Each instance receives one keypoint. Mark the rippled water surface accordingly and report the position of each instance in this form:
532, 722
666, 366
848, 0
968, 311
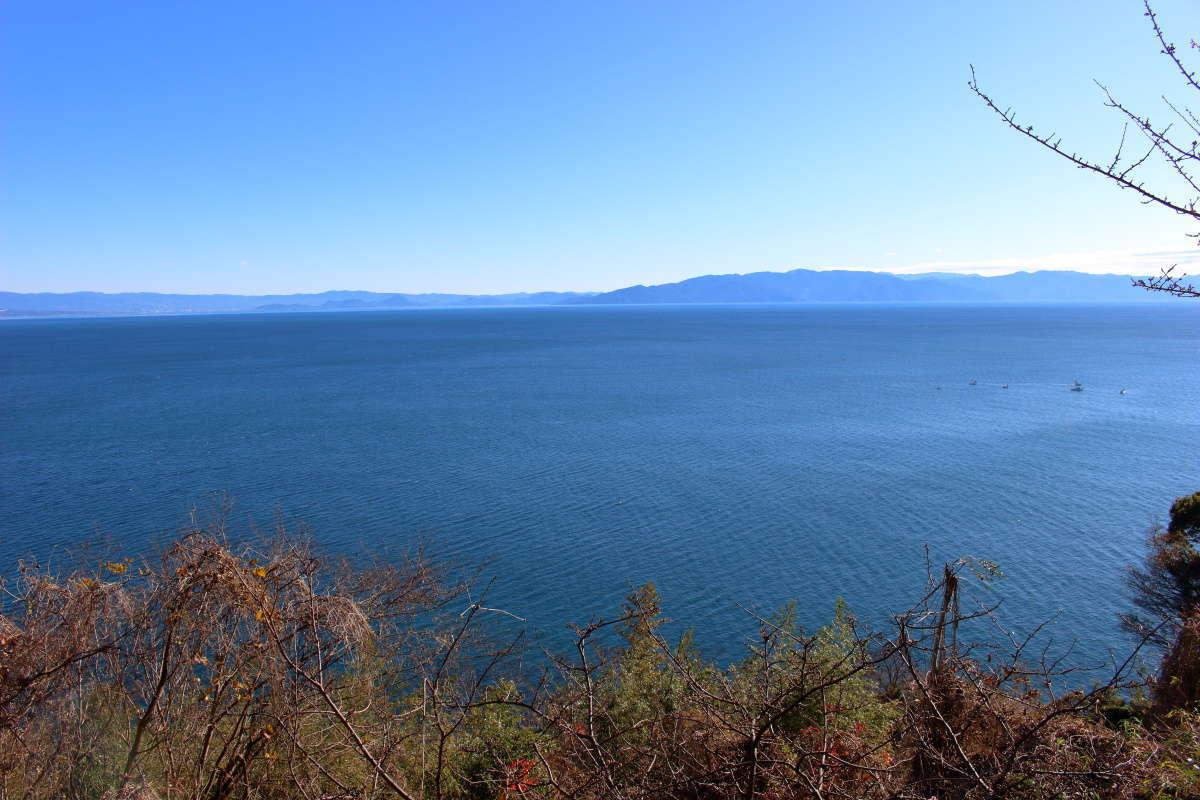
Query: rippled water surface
737, 456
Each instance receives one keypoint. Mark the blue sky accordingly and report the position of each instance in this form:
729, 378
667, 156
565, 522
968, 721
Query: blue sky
481, 147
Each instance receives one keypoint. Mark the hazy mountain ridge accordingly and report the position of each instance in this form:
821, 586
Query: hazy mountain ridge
796, 286
52, 304
847, 286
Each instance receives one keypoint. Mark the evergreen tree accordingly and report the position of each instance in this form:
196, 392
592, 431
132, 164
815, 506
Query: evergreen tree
1166, 588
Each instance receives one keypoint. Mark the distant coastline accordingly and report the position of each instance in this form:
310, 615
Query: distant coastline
796, 286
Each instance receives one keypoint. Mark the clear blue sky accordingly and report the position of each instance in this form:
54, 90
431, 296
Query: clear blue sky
276, 146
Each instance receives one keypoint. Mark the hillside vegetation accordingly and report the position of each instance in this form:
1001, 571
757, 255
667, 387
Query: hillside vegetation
269, 671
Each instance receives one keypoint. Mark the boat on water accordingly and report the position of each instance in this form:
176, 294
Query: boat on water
1078, 387
1122, 391
971, 382
1004, 386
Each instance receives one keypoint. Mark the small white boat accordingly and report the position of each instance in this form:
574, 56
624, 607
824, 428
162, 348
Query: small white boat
1078, 387
1122, 391
971, 382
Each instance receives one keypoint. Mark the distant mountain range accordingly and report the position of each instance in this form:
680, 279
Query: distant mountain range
847, 286
797, 286
81, 303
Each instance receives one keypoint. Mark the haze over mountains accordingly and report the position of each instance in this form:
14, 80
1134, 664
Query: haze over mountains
72, 303
847, 286
796, 286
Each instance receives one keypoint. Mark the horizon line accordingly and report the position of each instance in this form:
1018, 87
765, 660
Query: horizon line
499, 292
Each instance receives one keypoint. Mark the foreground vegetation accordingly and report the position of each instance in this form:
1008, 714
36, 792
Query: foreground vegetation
268, 671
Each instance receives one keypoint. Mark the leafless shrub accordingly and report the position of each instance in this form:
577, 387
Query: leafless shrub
267, 671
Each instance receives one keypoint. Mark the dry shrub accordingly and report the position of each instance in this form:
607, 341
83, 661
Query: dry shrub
969, 738
1167, 759
1178, 686
215, 671
267, 671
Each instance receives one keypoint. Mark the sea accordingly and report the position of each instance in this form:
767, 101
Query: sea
738, 457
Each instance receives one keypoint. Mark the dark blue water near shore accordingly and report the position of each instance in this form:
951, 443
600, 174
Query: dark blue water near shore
735, 456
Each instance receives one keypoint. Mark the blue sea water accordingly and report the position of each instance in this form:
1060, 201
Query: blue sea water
739, 457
